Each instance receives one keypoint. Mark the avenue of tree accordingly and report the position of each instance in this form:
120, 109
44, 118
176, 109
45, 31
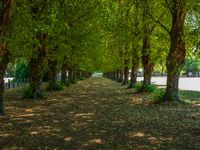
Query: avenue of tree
78, 37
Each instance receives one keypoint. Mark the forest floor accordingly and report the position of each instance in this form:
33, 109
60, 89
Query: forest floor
98, 114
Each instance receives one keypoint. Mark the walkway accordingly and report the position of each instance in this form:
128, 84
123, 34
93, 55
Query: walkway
97, 114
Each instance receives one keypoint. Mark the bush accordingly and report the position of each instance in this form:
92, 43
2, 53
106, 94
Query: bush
139, 87
73, 81
150, 88
65, 83
157, 95
56, 87
28, 93
81, 78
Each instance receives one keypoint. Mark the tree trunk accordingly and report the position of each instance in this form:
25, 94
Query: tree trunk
133, 75
52, 75
36, 65
74, 76
121, 76
146, 50
64, 73
126, 72
136, 39
176, 56
70, 75
5, 19
148, 70
117, 77
3, 65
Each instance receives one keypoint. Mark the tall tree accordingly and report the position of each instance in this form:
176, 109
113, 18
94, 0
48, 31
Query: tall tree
148, 65
135, 44
177, 53
5, 19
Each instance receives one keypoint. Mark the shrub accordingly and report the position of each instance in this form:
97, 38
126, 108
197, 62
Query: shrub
73, 81
28, 93
150, 88
81, 78
56, 87
65, 83
157, 95
139, 87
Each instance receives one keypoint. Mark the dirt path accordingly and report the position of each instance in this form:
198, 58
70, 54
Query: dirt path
98, 114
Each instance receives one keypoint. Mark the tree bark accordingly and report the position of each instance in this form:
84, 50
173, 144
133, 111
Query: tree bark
176, 56
117, 75
3, 65
125, 76
36, 65
133, 75
52, 75
121, 76
64, 73
148, 70
146, 50
5, 19
135, 45
70, 75
74, 77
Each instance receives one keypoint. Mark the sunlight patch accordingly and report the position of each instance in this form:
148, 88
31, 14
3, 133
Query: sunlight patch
33, 133
96, 141
67, 139
136, 134
4, 135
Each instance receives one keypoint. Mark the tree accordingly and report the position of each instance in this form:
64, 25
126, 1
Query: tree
176, 56
5, 19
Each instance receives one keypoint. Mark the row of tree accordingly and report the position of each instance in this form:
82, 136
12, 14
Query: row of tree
78, 37
151, 33
49, 35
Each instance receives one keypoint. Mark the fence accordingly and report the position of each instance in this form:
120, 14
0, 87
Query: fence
16, 83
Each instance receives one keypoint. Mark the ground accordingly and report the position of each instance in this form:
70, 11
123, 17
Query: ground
98, 114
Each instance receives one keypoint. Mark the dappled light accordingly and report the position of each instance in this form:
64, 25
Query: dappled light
95, 141
136, 134
5, 135
97, 113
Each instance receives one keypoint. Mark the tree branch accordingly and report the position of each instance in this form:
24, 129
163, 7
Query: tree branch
152, 28
84, 15
168, 6
158, 22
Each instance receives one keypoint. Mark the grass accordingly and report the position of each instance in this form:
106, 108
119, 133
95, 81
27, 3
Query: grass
97, 113
190, 96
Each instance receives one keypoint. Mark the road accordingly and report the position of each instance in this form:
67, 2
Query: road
185, 83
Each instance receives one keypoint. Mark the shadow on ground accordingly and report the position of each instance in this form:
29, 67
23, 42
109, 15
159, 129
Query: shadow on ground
98, 114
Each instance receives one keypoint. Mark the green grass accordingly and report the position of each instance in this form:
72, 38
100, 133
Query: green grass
190, 96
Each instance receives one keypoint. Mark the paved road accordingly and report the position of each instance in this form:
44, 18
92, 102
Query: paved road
184, 83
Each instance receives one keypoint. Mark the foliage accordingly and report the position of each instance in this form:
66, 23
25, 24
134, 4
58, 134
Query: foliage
28, 93
22, 71
157, 95
56, 87
139, 87
192, 65
10, 71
